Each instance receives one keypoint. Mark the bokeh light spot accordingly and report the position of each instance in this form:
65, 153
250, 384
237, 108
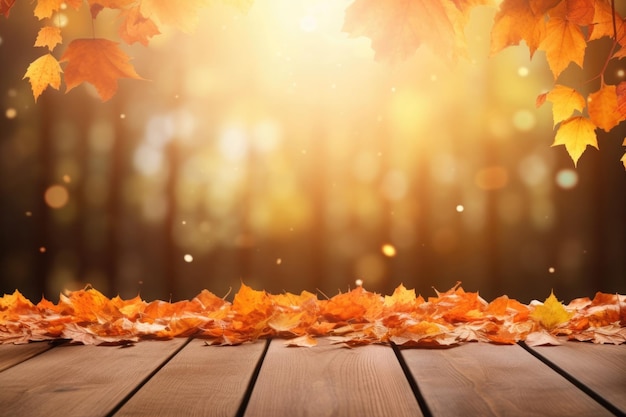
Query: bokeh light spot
388, 250
567, 179
56, 196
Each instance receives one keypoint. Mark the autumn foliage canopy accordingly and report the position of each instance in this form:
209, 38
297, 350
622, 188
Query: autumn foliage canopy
353, 318
564, 30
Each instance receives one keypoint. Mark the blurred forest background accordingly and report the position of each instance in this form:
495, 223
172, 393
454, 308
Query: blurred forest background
271, 149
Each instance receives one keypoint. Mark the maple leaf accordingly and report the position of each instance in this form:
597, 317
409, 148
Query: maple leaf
357, 304
541, 338
303, 341
398, 27
15, 303
603, 110
99, 62
182, 15
580, 12
49, 36
96, 6
43, 72
46, 8
401, 299
551, 313
5, 7
576, 133
602, 25
565, 101
136, 28
518, 20
564, 43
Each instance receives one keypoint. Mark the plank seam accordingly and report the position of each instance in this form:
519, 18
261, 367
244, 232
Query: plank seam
421, 401
51, 344
584, 388
255, 374
146, 379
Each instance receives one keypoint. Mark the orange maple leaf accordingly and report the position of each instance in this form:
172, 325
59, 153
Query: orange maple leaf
358, 305
398, 27
565, 101
43, 72
136, 28
5, 7
180, 14
49, 36
603, 108
576, 133
518, 20
99, 62
45, 8
602, 24
580, 12
564, 43
96, 6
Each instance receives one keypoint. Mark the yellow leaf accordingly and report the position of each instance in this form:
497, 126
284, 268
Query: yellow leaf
179, 14
551, 313
43, 72
565, 101
97, 61
398, 27
563, 43
576, 133
603, 110
400, 296
49, 36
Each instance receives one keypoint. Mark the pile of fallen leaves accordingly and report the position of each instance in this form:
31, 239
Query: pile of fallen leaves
354, 318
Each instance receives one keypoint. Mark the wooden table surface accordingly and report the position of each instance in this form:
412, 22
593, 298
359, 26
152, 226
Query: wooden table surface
185, 377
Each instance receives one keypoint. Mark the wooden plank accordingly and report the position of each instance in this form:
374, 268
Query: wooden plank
11, 355
200, 381
601, 368
78, 380
490, 380
331, 380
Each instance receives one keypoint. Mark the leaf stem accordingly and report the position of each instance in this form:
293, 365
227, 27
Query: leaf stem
614, 23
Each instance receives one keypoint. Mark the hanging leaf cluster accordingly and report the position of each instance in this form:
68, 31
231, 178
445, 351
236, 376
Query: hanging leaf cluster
101, 62
566, 30
357, 317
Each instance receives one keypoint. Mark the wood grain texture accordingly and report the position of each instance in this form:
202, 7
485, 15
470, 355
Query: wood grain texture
78, 380
602, 368
200, 381
330, 380
11, 355
481, 379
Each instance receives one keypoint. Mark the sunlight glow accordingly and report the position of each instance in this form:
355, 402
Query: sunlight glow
308, 23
